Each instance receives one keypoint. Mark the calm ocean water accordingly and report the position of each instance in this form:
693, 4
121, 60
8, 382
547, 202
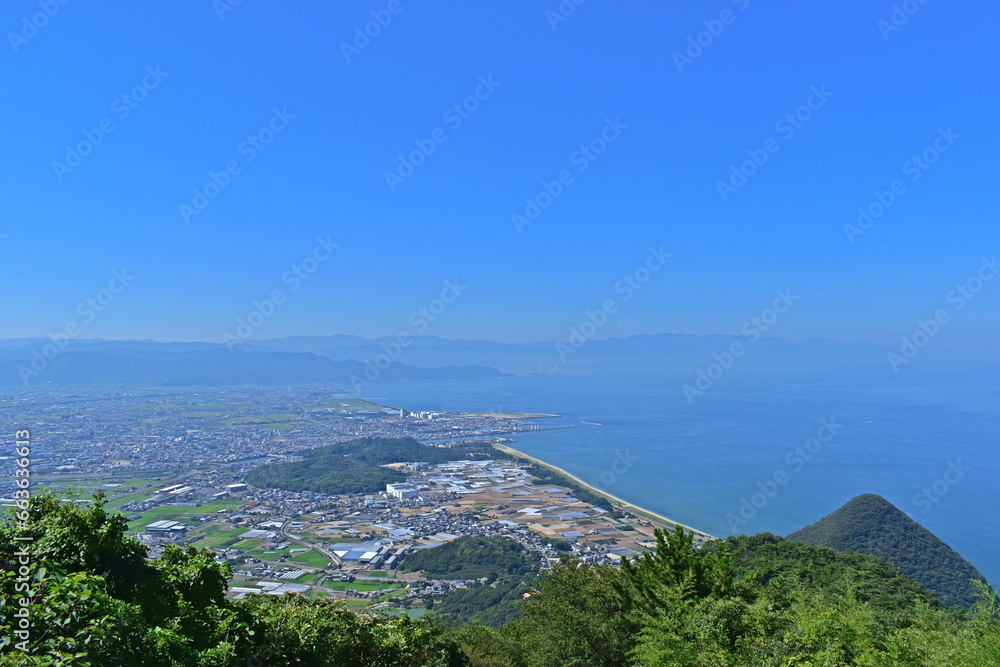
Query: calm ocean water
712, 463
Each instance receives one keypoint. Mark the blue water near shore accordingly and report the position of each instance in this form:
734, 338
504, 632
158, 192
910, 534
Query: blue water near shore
701, 463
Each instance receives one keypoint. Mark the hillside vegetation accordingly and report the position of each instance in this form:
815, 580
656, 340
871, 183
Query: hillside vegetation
471, 558
492, 604
354, 466
510, 572
758, 600
96, 600
870, 524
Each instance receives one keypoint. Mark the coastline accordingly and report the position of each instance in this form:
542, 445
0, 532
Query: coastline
512, 415
635, 509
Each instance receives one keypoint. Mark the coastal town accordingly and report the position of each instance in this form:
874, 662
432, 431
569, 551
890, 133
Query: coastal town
177, 469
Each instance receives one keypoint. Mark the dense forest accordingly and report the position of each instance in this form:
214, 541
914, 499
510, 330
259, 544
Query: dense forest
491, 604
471, 558
354, 466
95, 599
330, 474
870, 524
507, 568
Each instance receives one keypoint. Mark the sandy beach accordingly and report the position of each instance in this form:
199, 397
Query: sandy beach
625, 504
511, 415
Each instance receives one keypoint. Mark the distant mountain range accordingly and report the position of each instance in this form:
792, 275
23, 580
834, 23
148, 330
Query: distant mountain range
870, 524
337, 358
211, 367
642, 352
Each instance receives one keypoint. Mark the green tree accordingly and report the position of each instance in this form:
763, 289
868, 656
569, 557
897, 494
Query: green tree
576, 618
79, 540
173, 610
293, 630
73, 620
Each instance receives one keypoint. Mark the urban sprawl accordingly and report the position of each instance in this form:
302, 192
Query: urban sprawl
174, 462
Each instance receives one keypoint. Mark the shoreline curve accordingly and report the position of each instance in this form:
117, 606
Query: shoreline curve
635, 509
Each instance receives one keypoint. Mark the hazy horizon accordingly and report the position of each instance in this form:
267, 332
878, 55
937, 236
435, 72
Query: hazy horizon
664, 169
443, 338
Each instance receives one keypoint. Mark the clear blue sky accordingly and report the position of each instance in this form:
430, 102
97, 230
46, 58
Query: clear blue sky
656, 184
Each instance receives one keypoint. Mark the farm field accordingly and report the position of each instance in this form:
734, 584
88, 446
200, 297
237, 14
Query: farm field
311, 558
183, 514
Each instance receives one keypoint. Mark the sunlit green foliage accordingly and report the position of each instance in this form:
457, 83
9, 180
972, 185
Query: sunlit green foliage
745, 601
94, 599
870, 524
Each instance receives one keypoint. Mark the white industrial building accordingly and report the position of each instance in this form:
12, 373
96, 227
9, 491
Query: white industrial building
402, 490
166, 528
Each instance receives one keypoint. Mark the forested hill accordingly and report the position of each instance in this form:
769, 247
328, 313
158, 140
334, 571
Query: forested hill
472, 557
870, 524
354, 466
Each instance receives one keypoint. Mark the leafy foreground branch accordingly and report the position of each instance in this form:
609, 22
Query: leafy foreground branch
94, 598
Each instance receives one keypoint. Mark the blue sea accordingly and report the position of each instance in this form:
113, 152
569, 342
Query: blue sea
764, 453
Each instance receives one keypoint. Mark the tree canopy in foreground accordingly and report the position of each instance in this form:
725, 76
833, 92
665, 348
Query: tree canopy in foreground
95, 599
